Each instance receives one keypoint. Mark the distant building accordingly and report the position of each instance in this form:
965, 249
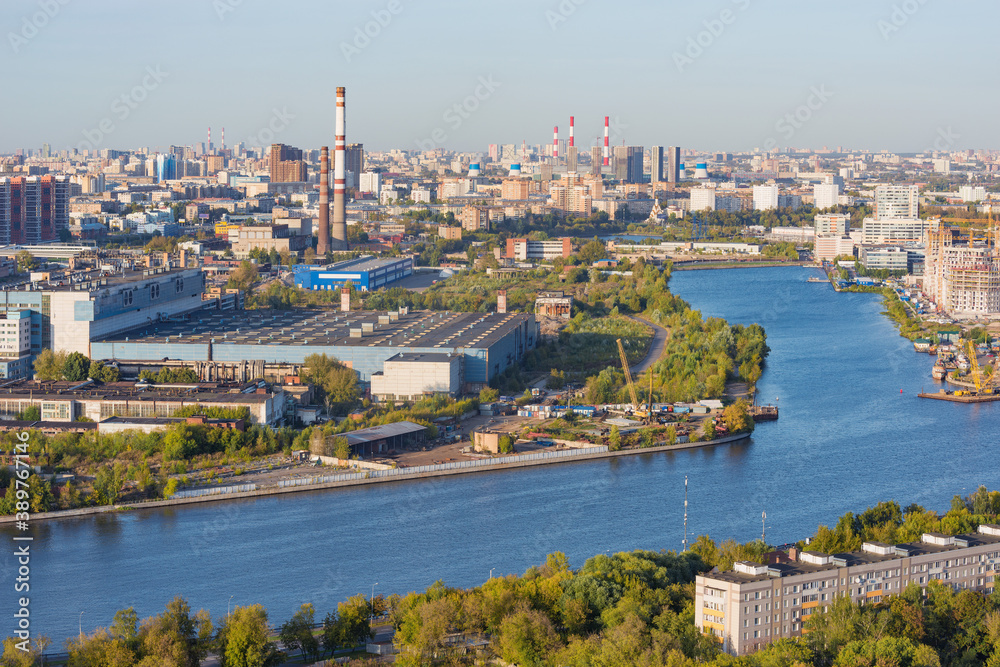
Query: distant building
673, 164
830, 246
702, 199
365, 273
765, 197
286, 164
411, 377
371, 181
972, 193
832, 223
450, 233
15, 344
826, 195
897, 202
890, 258
268, 237
476, 218
354, 164
33, 209
656, 164
523, 250
878, 231
554, 304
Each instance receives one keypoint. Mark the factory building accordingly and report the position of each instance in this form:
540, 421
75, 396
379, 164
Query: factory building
487, 343
523, 250
410, 377
15, 344
755, 604
67, 314
68, 401
365, 273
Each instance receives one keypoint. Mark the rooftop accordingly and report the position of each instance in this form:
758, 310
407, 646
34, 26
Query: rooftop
368, 263
56, 391
376, 433
330, 328
95, 280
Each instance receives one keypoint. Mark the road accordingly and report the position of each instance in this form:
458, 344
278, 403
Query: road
660, 336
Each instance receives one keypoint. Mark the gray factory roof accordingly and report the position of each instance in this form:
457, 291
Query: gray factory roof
422, 358
330, 328
376, 433
95, 280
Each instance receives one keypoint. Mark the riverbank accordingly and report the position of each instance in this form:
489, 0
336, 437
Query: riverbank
702, 266
399, 475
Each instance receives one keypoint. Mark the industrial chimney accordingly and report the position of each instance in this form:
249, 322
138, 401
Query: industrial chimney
555, 142
607, 146
501, 301
340, 178
323, 246
345, 300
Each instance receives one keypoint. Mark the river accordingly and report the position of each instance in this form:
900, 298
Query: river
847, 438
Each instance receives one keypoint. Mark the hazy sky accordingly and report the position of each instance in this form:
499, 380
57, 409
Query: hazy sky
125, 73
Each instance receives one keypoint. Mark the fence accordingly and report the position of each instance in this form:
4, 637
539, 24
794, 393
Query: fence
217, 491
439, 467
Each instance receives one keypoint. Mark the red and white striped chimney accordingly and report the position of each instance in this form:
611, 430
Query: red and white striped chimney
555, 142
339, 227
223, 138
607, 146
571, 124
209, 145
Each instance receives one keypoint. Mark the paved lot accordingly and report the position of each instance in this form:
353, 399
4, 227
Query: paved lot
418, 282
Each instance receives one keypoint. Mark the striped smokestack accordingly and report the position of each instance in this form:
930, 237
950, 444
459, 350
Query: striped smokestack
571, 123
340, 179
607, 146
555, 142
323, 246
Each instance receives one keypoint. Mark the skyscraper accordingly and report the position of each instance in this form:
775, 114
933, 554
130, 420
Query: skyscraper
656, 164
673, 164
619, 162
166, 167
287, 165
596, 160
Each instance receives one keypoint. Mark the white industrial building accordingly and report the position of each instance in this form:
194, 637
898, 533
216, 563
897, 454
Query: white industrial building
410, 377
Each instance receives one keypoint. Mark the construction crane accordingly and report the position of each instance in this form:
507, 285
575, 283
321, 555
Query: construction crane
637, 411
982, 383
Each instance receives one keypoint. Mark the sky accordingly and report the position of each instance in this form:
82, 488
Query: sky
721, 75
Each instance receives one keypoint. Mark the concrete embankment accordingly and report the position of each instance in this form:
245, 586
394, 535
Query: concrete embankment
402, 476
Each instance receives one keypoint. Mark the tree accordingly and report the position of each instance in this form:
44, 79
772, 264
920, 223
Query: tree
243, 277
342, 448
108, 483
98, 371
593, 251
737, 417
243, 639
353, 617
309, 256
76, 367
26, 261
296, 633
488, 395
614, 439
527, 638
49, 365
175, 637
337, 383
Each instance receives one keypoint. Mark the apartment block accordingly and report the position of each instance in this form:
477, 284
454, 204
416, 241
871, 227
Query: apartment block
524, 250
876, 231
832, 223
33, 209
755, 604
897, 202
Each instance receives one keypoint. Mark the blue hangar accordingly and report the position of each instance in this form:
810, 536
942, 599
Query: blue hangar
365, 273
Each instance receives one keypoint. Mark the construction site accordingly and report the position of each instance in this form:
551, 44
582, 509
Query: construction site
962, 271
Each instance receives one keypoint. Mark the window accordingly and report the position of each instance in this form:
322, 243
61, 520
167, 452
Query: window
154, 291
127, 297
179, 285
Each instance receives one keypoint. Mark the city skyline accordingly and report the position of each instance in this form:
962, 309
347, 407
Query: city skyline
735, 75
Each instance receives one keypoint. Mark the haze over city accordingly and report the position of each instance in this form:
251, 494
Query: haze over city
713, 76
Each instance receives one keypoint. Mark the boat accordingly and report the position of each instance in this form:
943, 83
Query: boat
814, 279
939, 372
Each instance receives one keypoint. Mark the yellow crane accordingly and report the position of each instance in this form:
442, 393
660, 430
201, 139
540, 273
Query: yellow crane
644, 414
982, 382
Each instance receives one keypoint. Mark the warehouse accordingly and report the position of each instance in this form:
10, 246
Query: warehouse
488, 343
365, 273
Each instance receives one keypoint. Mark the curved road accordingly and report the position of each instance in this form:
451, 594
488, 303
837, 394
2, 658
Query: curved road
655, 349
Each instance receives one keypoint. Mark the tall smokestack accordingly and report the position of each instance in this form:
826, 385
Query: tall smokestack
571, 124
555, 142
323, 246
607, 146
223, 138
339, 178
209, 146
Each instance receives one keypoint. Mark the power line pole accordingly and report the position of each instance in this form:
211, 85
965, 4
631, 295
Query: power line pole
685, 513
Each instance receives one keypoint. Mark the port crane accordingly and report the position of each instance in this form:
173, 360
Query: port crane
646, 414
984, 382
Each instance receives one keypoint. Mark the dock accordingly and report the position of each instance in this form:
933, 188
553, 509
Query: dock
764, 413
943, 396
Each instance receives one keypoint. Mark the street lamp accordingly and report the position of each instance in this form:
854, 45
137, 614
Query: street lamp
81, 624
491, 572
228, 605
373, 601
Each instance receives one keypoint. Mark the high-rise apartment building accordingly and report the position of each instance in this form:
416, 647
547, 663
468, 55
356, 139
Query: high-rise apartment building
972, 193
826, 195
33, 209
656, 164
673, 164
627, 164
596, 160
702, 199
765, 197
897, 202
286, 164
355, 164
166, 168
832, 223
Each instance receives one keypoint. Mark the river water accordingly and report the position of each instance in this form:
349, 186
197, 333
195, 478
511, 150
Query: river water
847, 438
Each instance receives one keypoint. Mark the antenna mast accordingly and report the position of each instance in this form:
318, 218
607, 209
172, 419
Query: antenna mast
763, 527
685, 513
